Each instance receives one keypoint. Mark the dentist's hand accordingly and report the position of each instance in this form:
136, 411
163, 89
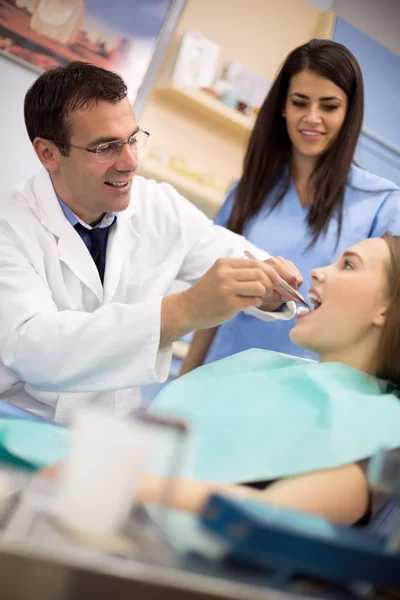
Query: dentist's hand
228, 287
289, 273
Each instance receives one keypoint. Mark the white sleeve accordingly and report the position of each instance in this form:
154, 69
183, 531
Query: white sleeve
287, 311
205, 243
112, 348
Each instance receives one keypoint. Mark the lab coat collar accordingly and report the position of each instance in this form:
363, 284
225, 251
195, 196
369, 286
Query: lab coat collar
72, 250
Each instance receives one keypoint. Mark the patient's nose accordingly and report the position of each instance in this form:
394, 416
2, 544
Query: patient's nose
318, 275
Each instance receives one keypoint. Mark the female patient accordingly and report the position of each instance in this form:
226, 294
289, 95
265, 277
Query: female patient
356, 322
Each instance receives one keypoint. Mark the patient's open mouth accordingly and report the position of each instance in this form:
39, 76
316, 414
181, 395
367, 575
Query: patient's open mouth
315, 300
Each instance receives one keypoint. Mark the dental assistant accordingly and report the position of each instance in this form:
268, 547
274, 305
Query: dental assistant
300, 193
88, 254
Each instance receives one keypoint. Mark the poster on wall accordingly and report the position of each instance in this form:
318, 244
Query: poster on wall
120, 35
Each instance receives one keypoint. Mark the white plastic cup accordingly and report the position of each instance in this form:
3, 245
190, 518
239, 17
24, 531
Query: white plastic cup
98, 482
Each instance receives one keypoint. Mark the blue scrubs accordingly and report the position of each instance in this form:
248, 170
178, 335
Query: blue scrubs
371, 207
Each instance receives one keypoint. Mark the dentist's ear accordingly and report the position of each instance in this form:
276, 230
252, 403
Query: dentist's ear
47, 152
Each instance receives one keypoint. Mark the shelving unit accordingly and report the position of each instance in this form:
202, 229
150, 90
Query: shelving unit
205, 198
206, 105
213, 111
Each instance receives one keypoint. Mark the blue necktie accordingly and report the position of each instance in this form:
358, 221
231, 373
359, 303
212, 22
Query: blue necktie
98, 243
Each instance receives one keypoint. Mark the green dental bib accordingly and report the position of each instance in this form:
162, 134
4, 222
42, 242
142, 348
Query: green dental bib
259, 415
31, 444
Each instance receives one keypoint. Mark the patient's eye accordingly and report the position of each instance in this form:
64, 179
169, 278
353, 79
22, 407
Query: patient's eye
347, 264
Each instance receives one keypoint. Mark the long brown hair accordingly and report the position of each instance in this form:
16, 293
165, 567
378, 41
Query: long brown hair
267, 161
388, 355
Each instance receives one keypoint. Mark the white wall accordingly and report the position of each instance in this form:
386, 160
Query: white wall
380, 19
18, 160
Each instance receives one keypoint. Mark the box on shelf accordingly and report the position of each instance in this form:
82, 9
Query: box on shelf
196, 61
250, 89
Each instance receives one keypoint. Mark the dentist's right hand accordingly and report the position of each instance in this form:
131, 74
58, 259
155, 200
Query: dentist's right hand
228, 287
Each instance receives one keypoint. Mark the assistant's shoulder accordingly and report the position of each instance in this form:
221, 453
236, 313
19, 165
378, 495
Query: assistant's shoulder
365, 181
376, 200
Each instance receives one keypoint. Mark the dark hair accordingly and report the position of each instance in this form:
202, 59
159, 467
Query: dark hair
388, 355
60, 91
267, 161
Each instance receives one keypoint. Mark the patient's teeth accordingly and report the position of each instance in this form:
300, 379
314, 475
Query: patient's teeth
314, 299
313, 296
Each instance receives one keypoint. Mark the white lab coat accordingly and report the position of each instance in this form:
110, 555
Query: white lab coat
65, 340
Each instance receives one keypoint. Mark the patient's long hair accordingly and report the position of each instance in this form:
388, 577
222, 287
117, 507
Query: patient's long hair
389, 348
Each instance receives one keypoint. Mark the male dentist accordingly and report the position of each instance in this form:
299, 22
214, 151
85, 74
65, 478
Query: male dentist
88, 253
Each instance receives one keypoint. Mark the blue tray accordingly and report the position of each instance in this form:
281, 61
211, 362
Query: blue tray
294, 543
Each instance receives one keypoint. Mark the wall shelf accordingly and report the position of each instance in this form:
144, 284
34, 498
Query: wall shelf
205, 105
205, 198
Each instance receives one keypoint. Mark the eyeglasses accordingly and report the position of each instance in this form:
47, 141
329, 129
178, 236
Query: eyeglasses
111, 150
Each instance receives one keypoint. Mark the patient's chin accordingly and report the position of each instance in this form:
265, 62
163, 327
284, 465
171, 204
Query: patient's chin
296, 337
300, 337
